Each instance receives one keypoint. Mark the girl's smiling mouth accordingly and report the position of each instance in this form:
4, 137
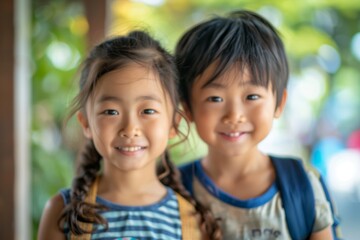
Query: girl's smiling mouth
130, 150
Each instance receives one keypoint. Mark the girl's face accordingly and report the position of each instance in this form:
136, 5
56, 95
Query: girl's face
129, 118
231, 114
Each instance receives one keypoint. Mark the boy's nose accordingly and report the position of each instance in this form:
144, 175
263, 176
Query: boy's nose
234, 119
234, 116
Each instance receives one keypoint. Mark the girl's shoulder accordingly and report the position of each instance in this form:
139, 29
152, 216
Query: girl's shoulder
65, 195
53, 207
48, 228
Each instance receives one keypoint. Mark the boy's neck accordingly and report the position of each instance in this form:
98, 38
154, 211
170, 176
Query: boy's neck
218, 165
253, 174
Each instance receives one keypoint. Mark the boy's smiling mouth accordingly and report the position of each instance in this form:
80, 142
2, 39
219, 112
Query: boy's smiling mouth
233, 136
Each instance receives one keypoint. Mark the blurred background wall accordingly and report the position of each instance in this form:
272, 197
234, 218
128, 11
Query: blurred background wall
321, 122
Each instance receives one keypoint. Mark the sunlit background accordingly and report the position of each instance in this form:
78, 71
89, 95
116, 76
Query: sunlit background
321, 122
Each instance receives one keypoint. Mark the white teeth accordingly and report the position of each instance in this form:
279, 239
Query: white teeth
236, 134
130, 149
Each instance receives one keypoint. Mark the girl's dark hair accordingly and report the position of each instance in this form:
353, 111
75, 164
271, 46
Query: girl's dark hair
115, 53
243, 39
209, 225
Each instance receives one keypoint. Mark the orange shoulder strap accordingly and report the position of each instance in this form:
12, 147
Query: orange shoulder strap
90, 198
190, 227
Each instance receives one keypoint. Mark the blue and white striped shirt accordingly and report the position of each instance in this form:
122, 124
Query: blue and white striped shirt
157, 221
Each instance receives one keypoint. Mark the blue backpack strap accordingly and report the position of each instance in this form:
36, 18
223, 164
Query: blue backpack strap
297, 196
187, 176
336, 225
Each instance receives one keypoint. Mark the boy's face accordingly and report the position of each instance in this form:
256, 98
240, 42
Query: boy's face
231, 114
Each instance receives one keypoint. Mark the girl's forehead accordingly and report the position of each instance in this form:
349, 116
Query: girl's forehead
127, 76
131, 82
128, 85
130, 73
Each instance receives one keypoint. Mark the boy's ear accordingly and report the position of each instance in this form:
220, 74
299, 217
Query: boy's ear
187, 111
282, 104
84, 124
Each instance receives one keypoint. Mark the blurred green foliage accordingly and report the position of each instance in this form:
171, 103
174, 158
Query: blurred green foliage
318, 35
56, 50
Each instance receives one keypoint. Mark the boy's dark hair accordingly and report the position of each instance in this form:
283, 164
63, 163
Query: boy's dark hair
244, 39
116, 53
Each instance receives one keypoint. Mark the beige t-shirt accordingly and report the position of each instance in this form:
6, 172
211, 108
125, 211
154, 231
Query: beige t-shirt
262, 217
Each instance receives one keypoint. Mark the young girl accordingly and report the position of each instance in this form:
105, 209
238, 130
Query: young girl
128, 109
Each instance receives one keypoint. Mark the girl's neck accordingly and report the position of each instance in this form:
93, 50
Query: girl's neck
135, 188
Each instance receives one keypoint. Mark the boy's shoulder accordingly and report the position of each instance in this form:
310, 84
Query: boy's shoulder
288, 171
281, 164
284, 164
188, 171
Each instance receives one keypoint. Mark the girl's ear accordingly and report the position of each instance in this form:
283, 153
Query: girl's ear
173, 131
281, 106
84, 124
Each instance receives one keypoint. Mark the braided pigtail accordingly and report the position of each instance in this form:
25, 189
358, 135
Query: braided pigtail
170, 176
78, 210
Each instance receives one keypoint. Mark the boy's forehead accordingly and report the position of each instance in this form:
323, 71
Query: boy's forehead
235, 73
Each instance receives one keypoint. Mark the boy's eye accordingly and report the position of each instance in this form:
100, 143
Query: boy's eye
252, 97
111, 112
149, 111
215, 99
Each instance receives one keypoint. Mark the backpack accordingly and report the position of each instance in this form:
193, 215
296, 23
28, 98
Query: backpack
190, 228
296, 194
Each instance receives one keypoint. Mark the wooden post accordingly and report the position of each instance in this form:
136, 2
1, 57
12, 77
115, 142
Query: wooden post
22, 117
7, 139
95, 11
14, 120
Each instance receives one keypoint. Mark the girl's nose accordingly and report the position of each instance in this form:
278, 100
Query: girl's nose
129, 129
129, 133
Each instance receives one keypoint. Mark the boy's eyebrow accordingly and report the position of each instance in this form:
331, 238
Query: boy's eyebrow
109, 98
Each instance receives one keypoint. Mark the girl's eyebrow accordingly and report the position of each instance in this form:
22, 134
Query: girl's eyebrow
150, 97
109, 98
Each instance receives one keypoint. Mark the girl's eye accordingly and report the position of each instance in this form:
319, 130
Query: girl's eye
252, 97
111, 112
215, 99
149, 111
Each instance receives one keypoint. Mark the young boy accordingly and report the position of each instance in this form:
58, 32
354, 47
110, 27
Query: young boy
233, 78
